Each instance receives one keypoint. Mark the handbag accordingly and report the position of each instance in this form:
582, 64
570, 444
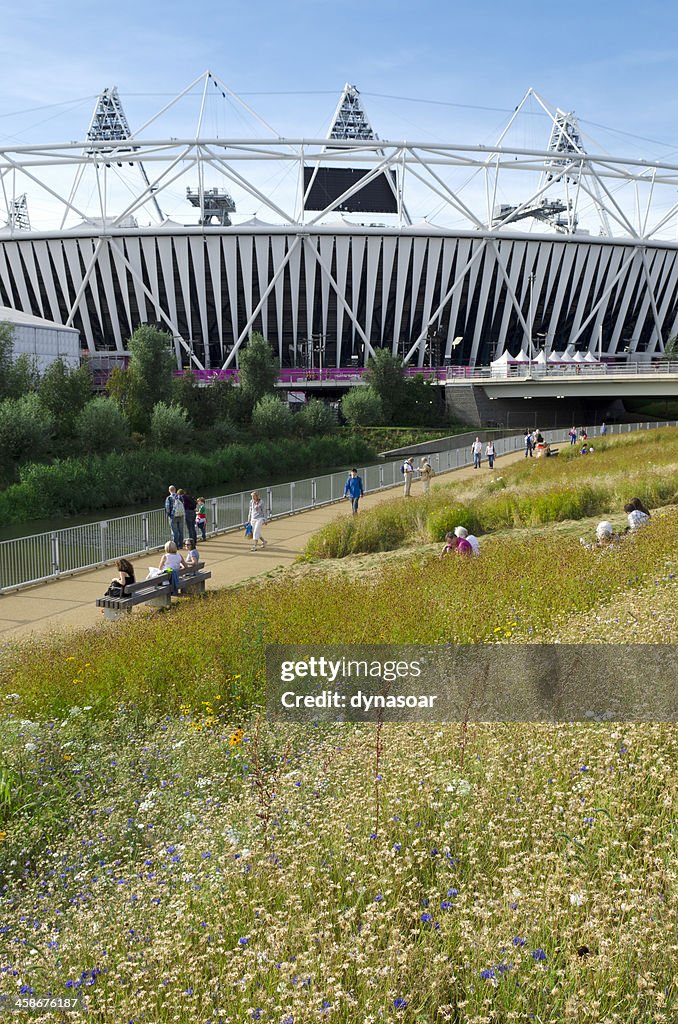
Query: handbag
248, 529
114, 590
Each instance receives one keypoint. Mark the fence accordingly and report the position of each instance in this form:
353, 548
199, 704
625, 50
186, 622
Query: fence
46, 556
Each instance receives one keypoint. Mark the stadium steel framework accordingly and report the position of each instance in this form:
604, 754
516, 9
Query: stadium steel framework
479, 277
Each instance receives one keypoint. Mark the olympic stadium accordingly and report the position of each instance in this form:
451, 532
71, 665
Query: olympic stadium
445, 253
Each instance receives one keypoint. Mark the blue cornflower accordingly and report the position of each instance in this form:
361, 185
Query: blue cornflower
399, 1003
518, 940
378, 898
176, 858
446, 905
397, 847
256, 1014
584, 768
487, 974
426, 918
538, 954
452, 892
326, 1004
243, 940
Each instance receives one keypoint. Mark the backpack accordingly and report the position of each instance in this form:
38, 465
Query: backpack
402, 469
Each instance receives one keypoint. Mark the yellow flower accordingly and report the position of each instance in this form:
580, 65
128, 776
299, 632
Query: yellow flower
236, 738
68, 757
3, 835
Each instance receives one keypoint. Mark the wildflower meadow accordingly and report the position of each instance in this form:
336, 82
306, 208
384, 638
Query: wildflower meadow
168, 855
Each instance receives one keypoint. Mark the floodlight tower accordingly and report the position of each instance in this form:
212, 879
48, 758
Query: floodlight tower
566, 142
18, 219
109, 124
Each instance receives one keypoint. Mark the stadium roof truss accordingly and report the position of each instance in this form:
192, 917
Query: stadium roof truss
424, 172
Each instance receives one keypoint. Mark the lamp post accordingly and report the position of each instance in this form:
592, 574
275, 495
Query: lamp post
530, 315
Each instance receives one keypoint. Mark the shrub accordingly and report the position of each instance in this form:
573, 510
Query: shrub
272, 418
316, 419
26, 428
444, 520
169, 426
362, 407
101, 426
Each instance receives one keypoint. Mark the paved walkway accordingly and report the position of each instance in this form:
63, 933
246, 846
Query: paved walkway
69, 603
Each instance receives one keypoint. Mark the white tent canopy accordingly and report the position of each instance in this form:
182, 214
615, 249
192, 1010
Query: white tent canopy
578, 358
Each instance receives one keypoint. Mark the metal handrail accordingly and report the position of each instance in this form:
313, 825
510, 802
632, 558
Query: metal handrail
26, 561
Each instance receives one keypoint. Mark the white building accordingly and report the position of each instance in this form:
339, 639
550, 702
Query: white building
41, 339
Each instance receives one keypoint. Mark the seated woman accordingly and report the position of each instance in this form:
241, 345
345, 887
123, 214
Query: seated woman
118, 585
192, 556
636, 516
171, 562
451, 543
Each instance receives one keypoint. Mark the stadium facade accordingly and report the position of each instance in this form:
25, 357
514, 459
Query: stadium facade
344, 268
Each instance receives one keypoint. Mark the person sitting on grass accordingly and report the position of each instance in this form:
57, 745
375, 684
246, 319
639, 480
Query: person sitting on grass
637, 517
450, 545
462, 533
192, 555
605, 537
172, 562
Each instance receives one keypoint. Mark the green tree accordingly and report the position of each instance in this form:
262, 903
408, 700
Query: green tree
6, 347
272, 418
65, 392
362, 407
101, 426
26, 429
170, 427
316, 419
17, 376
150, 374
671, 348
385, 376
259, 370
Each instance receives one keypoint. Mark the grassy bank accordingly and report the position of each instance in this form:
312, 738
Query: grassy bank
169, 856
529, 493
160, 661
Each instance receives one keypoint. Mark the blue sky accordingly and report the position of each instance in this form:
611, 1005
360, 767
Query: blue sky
614, 64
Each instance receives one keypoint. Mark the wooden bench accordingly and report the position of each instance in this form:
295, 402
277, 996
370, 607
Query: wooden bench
156, 592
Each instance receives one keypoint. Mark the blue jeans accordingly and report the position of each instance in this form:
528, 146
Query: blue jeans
476, 460
174, 580
177, 528
354, 504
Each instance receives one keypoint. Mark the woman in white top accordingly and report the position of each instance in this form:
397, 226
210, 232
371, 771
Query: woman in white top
171, 562
256, 517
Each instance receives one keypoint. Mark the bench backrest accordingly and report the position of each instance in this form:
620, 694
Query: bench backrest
162, 580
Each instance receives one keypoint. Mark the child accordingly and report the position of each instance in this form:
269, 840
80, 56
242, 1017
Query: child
201, 518
451, 543
192, 557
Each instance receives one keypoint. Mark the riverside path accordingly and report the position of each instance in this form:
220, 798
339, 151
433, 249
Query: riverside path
68, 603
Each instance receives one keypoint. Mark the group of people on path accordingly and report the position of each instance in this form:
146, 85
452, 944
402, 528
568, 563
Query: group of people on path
186, 515
426, 472
477, 453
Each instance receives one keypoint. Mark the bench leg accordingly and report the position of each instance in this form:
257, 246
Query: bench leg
161, 601
113, 614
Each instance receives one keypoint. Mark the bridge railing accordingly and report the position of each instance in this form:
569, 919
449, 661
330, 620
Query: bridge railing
525, 370
47, 556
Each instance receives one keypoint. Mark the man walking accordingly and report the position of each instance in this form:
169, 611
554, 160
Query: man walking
174, 510
190, 508
354, 490
477, 452
528, 444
